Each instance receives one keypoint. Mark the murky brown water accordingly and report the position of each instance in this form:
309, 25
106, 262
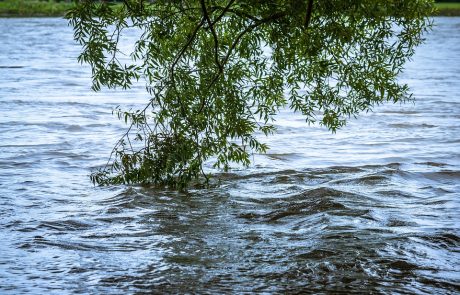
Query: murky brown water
371, 209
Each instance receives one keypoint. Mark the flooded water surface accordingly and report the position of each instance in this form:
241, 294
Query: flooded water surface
374, 208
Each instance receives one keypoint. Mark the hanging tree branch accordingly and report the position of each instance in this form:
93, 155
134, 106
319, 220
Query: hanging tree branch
216, 41
226, 8
308, 15
198, 116
248, 29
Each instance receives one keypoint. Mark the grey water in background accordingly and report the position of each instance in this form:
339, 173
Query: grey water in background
374, 208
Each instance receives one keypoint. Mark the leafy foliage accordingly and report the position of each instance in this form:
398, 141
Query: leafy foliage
219, 71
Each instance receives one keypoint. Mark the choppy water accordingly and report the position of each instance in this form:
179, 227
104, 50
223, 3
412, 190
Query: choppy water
372, 209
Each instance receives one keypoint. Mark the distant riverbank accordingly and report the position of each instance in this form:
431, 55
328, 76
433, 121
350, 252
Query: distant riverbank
22, 8
448, 9
34, 8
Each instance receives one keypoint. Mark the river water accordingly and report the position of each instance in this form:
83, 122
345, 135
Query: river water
374, 208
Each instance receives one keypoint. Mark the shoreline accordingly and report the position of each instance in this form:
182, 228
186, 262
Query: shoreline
447, 9
20, 8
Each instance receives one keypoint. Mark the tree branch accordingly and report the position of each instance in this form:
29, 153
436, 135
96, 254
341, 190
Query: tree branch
189, 41
178, 57
214, 34
308, 16
248, 29
128, 6
236, 12
226, 8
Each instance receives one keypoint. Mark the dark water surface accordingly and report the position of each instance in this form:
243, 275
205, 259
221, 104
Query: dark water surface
374, 208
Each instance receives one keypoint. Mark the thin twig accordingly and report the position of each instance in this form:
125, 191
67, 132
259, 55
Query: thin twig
179, 56
236, 12
226, 8
128, 6
214, 34
235, 43
187, 44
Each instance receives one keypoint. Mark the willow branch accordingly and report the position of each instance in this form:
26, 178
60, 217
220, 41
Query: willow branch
236, 12
309, 11
179, 56
248, 29
226, 8
189, 41
128, 6
214, 34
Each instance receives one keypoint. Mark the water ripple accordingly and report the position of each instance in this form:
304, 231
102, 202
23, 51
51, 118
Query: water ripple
371, 209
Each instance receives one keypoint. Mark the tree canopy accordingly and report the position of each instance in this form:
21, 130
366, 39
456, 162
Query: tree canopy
218, 72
